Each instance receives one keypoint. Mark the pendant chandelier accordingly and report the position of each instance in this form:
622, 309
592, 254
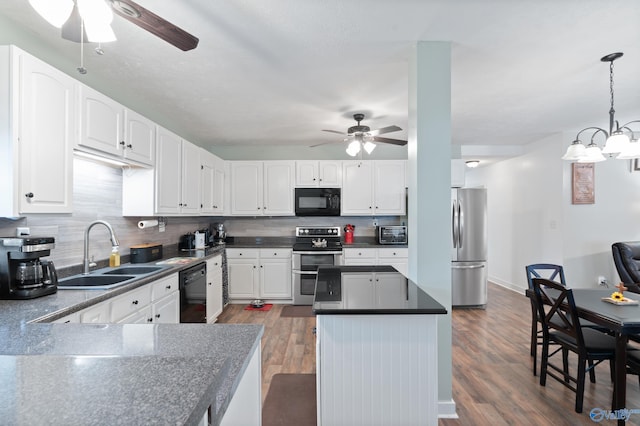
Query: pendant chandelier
620, 139
360, 142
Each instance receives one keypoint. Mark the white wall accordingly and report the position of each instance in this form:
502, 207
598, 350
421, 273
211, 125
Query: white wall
532, 220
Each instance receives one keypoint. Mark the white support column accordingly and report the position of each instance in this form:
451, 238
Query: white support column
429, 153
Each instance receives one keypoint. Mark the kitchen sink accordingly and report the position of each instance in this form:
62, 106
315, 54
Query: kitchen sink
133, 270
93, 281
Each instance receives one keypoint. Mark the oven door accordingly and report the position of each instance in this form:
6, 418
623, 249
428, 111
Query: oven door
304, 287
305, 270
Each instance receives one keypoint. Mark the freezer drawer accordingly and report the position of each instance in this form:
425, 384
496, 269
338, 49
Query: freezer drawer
469, 284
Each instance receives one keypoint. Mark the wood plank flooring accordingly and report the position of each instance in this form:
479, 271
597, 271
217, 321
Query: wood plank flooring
492, 379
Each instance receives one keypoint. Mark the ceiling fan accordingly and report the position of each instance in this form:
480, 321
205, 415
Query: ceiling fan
96, 15
361, 136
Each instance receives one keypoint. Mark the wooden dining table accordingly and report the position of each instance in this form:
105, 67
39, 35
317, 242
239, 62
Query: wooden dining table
622, 321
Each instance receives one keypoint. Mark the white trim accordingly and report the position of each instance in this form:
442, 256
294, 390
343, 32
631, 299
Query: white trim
447, 409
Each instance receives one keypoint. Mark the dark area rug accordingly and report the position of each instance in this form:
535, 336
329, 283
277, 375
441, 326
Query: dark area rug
291, 401
297, 311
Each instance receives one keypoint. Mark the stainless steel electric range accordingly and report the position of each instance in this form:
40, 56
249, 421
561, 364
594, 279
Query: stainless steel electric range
315, 246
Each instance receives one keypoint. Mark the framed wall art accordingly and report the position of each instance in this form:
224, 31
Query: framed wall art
583, 180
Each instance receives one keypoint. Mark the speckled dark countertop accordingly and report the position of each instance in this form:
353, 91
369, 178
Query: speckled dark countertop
116, 373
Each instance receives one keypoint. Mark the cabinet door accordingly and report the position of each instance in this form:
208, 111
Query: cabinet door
190, 179
357, 188
218, 195
359, 256
389, 188
47, 135
139, 138
275, 274
214, 288
358, 291
307, 174
101, 121
167, 309
330, 173
278, 188
390, 290
396, 257
246, 188
243, 278
168, 172
97, 314
142, 316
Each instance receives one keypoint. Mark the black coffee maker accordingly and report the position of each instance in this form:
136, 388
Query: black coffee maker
23, 274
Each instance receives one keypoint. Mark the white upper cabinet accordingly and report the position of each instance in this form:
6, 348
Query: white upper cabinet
262, 188
371, 188
172, 187
312, 174
212, 185
109, 128
37, 121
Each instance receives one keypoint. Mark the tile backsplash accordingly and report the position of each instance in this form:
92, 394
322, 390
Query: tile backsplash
97, 194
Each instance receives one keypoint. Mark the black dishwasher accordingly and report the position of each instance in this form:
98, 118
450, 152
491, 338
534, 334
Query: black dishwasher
192, 278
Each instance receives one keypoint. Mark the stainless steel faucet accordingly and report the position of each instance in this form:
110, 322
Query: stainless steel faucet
114, 242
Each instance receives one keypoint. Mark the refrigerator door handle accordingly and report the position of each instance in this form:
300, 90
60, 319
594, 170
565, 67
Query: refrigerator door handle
460, 224
454, 224
467, 267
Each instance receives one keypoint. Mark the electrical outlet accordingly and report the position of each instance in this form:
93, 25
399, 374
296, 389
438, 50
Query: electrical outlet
602, 281
375, 222
22, 232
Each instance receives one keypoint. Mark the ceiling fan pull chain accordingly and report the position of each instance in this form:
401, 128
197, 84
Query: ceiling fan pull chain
81, 68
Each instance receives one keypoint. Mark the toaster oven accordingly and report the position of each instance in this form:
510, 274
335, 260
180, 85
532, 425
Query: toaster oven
392, 234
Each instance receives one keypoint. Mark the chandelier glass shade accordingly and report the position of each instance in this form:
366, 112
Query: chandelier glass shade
96, 16
620, 140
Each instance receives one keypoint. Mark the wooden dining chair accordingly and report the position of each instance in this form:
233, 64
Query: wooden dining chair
561, 325
553, 273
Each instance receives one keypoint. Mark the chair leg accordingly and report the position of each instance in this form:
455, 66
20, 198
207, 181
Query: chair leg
592, 372
544, 361
582, 365
565, 364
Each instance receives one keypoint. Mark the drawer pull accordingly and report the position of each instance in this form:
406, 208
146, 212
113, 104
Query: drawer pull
135, 302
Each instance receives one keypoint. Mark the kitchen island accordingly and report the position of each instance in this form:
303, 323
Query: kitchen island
376, 354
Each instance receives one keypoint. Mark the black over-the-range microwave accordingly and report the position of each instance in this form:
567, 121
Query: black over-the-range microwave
317, 201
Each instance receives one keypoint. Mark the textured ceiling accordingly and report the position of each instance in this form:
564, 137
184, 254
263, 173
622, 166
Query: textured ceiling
277, 72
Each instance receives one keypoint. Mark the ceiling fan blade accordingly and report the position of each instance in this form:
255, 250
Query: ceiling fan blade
389, 140
382, 130
324, 143
156, 25
334, 131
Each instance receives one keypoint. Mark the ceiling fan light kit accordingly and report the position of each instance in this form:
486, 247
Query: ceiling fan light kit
619, 139
361, 137
96, 17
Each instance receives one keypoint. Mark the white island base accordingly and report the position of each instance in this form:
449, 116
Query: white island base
377, 369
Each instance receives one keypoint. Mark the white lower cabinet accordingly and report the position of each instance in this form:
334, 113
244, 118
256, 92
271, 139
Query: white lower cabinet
245, 407
259, 273
158, 302
214, 288
380, 289
398, 257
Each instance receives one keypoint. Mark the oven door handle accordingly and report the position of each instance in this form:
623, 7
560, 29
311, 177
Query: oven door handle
318, 252
296, 272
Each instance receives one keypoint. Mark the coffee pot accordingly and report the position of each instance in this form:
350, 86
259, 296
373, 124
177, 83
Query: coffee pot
219, 233
23, 272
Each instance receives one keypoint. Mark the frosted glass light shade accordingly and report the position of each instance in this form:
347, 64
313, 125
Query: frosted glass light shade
56, 12
617, 142
575, 151
632, 150
97, 16
354, 148
369, 147
592, 154
99, 32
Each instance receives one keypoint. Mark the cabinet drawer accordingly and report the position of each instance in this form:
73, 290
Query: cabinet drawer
130, 302
276, 253
164, 286
354, 253
391, 252
242, 253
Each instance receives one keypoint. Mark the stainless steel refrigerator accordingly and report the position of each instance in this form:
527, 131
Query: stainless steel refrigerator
469, 247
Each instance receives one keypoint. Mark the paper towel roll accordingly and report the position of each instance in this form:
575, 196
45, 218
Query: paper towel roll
147, 224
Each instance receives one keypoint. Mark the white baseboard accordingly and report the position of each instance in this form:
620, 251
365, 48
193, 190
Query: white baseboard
447, 409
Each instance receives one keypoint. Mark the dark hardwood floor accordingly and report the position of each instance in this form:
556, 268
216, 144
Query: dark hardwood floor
492, 379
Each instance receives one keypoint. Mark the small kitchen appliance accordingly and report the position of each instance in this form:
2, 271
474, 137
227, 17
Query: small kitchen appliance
392, 234
219, 233
187, 242
317, 201
23, 274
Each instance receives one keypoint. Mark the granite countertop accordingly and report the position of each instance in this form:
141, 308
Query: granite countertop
117, 373
259, 242
121, 374
353, 290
